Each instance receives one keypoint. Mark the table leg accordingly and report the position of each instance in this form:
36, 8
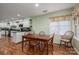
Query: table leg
47, 47
5, 33
29, 44
22, 43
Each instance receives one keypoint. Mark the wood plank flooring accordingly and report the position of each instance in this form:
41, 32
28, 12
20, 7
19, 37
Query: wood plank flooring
10, 48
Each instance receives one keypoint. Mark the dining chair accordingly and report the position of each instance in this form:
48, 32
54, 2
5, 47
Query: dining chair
50, 43
41, 33
67, 39
33, 43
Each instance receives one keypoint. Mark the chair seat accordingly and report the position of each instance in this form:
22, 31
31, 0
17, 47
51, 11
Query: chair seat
64, 40
34, 43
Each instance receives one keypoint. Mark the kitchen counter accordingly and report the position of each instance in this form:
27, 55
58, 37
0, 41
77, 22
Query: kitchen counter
14, 33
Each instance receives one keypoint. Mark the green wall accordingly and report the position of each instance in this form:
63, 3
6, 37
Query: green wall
41, 22
75, 41
76, 44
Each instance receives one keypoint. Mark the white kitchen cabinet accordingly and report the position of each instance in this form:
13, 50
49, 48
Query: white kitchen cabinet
17, 36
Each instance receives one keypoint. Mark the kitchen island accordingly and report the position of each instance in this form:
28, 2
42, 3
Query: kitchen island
14, 33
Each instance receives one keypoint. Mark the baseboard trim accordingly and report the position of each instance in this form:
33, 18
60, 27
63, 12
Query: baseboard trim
76, 50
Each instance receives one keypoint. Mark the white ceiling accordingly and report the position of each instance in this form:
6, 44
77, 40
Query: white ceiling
8, 10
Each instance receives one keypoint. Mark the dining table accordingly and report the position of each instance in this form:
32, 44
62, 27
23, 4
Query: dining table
44, 38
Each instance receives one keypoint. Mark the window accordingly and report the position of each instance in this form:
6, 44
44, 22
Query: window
60, 27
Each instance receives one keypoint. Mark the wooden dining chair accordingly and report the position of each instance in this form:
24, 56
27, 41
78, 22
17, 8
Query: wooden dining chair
50, 43
33, 43
67, 38
41, 33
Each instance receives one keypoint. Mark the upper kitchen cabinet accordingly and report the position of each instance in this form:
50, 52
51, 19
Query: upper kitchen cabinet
26, 22
21, 23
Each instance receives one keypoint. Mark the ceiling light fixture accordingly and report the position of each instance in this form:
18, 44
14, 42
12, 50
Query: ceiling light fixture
36, 4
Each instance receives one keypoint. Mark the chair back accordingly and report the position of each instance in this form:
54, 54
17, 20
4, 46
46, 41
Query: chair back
52, 37
69, 35
41, 33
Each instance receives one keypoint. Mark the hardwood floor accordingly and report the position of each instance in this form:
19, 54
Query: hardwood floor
10, 48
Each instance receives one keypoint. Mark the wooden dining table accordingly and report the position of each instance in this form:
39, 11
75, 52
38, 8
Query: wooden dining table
44, 38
